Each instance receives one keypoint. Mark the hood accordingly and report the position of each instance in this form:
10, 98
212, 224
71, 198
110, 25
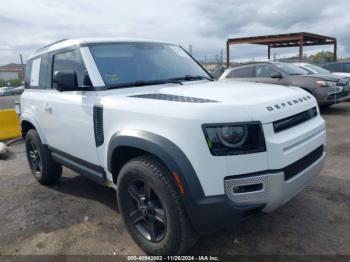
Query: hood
326, 77
263, 102
224, 100
234, 92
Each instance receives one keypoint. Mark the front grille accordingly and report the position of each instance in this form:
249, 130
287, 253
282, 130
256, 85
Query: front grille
343, 82
294, 120
338, 95
298, 166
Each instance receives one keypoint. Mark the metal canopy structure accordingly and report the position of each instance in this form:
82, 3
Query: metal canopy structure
285, 40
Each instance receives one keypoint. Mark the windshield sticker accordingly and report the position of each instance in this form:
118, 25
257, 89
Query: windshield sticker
178, 51
112, 77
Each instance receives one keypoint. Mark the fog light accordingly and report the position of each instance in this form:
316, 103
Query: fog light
247, 188
235, 189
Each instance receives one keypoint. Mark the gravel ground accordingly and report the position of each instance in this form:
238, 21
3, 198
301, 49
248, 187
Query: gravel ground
79, 217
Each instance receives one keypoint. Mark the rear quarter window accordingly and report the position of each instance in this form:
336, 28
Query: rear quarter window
37, 74
34, 75
28, 73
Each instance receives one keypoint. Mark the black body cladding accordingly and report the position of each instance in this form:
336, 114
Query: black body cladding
303, 163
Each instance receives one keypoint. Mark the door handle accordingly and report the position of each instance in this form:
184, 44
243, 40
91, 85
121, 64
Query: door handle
48, 108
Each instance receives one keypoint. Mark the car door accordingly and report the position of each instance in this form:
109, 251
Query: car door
68, 117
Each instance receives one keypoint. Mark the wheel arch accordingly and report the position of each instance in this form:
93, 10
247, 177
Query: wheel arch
27, 123
127, 144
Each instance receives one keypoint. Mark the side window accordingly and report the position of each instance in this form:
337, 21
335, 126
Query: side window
44, 76
264, 71
243, 72
34, 75
70, 60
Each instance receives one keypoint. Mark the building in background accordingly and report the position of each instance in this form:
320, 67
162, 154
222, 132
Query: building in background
12, 71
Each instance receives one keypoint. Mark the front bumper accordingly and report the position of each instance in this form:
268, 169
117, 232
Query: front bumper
212, 213
274, 189
334, 97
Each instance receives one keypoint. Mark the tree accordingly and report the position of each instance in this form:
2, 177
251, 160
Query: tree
11, 82
322, 57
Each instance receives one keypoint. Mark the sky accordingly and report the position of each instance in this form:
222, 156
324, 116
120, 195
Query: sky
203, 24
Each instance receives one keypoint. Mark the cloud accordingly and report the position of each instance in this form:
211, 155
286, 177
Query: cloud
223, 19
27, 25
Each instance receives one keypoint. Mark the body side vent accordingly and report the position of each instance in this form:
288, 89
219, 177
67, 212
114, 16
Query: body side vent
98, 124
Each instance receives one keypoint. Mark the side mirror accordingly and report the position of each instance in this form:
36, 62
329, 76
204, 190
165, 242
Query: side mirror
276, 75
65, 80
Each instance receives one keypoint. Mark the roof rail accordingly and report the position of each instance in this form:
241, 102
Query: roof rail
46, 46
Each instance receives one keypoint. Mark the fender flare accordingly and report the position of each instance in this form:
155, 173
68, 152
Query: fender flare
170, 155
31, 119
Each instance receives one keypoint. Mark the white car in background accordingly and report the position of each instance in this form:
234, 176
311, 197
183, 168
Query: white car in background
314, 69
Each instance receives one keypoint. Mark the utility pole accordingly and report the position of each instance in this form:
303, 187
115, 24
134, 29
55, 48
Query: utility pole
190, 49
221, 57
217, 58
21, 58
323, 58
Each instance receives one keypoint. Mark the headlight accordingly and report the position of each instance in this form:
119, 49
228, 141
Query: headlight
326, 83
234, 139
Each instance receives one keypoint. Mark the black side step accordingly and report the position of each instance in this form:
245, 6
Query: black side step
91, 171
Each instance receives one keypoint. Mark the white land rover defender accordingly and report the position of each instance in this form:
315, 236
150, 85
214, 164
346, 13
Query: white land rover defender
187, 155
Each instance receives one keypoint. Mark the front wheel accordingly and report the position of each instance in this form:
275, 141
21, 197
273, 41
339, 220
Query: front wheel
43, 167
152, 209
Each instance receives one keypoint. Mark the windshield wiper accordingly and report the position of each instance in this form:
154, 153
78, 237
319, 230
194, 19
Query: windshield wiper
176, 80
145, 83
192, 77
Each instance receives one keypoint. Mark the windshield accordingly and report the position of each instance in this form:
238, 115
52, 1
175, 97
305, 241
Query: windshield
121, 64
317, 69
291, 69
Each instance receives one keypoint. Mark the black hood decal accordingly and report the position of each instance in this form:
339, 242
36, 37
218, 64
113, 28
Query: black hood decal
174, 98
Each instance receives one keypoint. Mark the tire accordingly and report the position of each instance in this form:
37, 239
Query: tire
43, 167
148, 196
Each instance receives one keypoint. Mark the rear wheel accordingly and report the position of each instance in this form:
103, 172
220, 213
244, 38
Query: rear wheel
152, 208
43, 167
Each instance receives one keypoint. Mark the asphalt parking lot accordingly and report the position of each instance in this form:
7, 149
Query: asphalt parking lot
79, 217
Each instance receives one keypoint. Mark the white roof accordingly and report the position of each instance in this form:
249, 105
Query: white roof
78, 41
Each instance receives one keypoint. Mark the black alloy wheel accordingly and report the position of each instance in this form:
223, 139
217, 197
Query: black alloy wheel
146, 211
34, 159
